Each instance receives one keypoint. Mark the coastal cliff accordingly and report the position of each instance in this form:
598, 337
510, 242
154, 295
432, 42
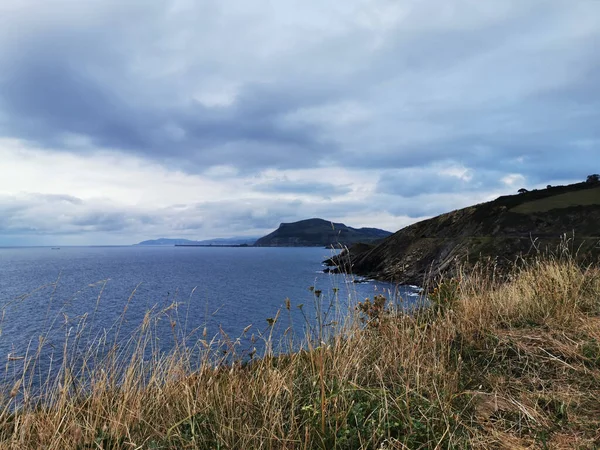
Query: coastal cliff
500, 230
319, 233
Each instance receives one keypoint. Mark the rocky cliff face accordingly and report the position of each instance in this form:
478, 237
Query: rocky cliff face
319, 232
500, 230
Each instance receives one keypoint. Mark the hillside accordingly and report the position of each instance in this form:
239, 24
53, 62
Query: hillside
500, 230
319, 232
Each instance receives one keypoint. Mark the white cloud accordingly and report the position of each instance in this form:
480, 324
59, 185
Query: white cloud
113, 198
124, 180
460, 172
206, 118
513, 179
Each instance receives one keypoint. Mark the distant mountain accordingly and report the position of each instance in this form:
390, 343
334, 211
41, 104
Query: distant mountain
166, 241
317, 233
216, 241
503, 229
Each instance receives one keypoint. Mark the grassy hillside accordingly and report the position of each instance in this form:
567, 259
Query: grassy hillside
501, 230
586, 197
489, 365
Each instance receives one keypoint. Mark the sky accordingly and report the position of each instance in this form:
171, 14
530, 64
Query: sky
129, 120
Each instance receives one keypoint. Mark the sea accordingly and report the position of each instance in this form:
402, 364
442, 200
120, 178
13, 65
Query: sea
243, 295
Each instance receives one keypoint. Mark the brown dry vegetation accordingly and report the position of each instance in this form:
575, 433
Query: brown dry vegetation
491, 364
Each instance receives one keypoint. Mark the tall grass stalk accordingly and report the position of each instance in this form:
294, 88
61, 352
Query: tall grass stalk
492, 362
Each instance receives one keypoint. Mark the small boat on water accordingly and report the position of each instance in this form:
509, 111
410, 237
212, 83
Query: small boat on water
55, 248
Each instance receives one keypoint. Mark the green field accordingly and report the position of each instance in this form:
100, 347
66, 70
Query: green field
586, 197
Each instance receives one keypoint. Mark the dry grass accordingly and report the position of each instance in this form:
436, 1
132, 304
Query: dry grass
491, 364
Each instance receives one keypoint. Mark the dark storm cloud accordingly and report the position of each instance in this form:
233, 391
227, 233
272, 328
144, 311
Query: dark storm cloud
318, 188
436, 88
413, 183
47, 101
406, 93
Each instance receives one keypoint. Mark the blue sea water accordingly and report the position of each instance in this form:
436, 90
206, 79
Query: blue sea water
219, 291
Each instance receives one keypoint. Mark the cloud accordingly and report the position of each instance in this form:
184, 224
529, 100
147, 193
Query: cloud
352, 110
124, 199
427, 205
318, 188
416, 80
